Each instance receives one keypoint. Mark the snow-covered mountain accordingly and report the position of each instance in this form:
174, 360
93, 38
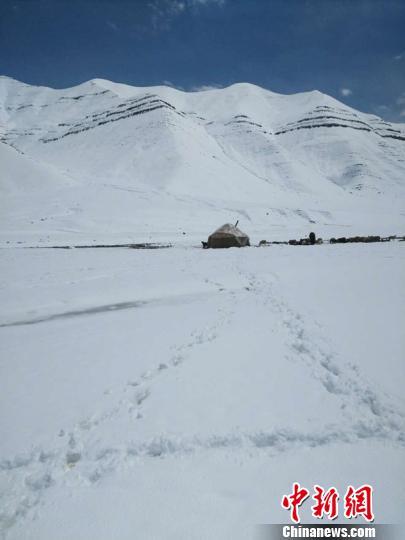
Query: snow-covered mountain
104, 159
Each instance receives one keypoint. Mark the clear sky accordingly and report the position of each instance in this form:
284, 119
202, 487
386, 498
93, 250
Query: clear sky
351, 49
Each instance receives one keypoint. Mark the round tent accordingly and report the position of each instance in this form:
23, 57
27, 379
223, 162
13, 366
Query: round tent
228, 236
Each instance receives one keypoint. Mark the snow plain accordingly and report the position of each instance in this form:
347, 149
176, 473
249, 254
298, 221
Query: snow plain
178, 393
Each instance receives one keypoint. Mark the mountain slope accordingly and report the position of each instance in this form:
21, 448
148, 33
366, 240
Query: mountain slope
158, 160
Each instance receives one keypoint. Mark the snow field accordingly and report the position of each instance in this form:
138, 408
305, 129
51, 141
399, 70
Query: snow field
188, 410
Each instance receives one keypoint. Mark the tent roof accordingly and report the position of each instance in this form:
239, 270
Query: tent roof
229, 229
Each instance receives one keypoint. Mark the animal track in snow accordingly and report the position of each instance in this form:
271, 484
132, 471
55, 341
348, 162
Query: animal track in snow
338, 378
73, 461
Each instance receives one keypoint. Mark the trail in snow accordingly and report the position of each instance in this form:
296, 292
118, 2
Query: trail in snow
74, 459
346, 381
39, 470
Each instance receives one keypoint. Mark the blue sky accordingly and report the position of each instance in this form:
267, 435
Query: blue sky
351, 49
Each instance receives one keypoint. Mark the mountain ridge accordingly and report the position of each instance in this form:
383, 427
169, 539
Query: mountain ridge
179, 154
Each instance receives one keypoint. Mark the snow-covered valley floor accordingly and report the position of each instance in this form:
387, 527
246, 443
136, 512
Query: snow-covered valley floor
178, 394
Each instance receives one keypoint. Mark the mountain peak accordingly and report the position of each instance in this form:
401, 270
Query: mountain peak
158, 151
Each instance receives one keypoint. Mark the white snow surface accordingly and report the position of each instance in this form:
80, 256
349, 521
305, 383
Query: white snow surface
178, 393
